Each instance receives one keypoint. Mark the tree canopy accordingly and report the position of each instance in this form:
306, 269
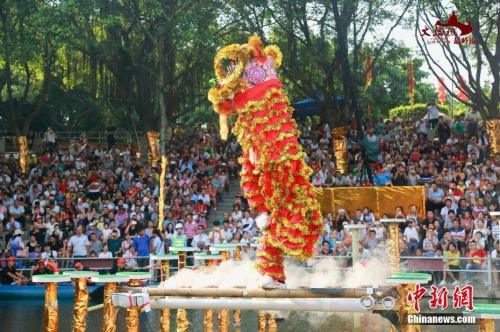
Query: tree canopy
75, 65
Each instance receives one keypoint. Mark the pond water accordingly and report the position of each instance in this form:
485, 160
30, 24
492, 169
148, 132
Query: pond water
27, 315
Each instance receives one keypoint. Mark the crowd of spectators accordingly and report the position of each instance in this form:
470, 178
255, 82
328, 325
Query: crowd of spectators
450, 158
83, 200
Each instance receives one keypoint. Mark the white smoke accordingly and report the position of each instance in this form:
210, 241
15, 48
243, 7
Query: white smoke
320, 273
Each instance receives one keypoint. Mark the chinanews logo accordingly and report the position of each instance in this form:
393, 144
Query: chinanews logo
450, 32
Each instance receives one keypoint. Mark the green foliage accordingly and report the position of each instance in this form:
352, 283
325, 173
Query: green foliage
415, 112
75, 65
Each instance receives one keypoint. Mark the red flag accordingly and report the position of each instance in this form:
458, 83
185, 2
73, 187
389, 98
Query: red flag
411, 83
441, 91
462, 95
368, 69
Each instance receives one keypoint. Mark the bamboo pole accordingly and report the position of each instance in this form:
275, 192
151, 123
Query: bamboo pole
265, 293
290, 304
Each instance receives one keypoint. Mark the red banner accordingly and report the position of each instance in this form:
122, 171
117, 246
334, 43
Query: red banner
411, 83
462, 95
441, 91
368, 69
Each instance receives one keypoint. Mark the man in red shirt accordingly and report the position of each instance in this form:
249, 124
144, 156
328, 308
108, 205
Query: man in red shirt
476, 260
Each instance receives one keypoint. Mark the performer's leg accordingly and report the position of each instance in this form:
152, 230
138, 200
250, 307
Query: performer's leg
270, 261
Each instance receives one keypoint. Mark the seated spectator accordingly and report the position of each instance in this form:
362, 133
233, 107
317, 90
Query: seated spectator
325, 249
216, 236
10, 275
452, 262
430, 244
476, 260
411, 236
200, 241
45, 267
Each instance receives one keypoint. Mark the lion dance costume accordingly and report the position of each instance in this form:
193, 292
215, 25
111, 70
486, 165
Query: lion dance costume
274, 176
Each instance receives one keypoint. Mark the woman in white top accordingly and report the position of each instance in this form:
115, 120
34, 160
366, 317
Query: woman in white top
105, 253
237, 215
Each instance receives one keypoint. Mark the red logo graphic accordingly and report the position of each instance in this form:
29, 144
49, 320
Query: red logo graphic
442, 30
439, 297
415, 297
465, 29
463, 298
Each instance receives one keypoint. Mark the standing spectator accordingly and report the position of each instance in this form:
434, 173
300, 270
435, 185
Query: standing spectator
432, 114
50, 140
435, 197
471, 121
110, 135
79, 244
142, 244
190, 226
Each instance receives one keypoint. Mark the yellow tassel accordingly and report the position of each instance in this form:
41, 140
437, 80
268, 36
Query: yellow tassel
224, 130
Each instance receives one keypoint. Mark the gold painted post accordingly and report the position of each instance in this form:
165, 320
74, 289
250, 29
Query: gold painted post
182, 320
133, 313
51, 310
109, 311
81, 298
161, 198
393, 242
486, 325
208, 314
224, 314
165, 273
132, 319
261, 321
80, 305
23, 153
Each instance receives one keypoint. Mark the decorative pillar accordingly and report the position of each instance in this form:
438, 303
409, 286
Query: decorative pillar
23, 153
161, 198
51, 310
340, 149
354, 230
224, 314
486, 325
272, 326
132, 319
81, 298
493, 132
135, 279
164, 274
392, 242
261, 321
182, 320
109, 311
405, 283
153, 148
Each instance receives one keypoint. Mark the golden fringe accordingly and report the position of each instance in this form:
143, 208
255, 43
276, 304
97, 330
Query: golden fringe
274, 52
